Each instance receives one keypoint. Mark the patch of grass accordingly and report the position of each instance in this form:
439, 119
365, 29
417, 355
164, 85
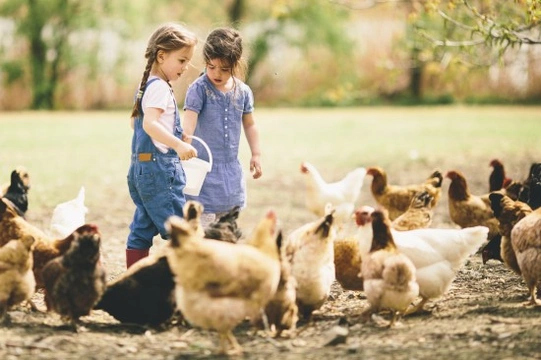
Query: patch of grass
65, 150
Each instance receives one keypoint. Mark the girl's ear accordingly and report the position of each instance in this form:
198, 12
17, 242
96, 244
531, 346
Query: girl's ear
160, 56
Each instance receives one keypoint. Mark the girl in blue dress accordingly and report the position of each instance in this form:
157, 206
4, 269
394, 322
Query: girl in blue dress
218, 106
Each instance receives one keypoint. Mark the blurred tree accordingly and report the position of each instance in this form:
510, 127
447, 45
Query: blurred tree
475, 32
47, 26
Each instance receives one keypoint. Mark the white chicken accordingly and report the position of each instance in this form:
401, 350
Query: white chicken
341, 194
310, 249
68, 216
436, 253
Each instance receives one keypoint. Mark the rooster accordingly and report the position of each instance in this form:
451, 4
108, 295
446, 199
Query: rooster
342, 194
75, 281
466, 209
219, 284
436, 253
419, 214
526, 241
508, 212
13, 226
17, 282
68, 216
397, 198
17, 190
389, 276
310, 249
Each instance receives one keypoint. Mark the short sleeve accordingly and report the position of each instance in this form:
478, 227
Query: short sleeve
248, 100
157, 95
195, 96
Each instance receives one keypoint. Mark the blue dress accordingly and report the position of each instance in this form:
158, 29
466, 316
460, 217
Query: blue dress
219, 124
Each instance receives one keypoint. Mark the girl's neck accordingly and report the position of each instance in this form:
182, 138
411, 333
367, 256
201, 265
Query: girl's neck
159, 74
228, 86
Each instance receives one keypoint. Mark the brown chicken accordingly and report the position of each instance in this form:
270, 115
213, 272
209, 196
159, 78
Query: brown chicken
419, 214
219, 284
526, 241
497, 179
310, 249
397, 198
389, 275
17, 283
347, 263
466, 209
75, 281
282, 311
13, 226
508, 212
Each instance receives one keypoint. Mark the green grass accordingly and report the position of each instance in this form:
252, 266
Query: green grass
64, 150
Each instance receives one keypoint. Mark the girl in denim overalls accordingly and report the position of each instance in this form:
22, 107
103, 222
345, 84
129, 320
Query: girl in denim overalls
156, 179
218, 106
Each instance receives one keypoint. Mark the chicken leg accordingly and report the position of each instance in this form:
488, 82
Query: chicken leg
416, 308
229, 344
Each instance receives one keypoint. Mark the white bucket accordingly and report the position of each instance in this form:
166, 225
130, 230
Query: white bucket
196, 170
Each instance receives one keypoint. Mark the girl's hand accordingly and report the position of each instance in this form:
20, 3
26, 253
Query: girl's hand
185, 151
255, 167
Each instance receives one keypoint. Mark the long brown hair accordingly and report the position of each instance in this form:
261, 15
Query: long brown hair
168, 37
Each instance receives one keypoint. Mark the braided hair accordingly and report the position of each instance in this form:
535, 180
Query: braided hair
226, 44
168, 37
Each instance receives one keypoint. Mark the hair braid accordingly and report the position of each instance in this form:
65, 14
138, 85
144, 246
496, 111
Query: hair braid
135, 111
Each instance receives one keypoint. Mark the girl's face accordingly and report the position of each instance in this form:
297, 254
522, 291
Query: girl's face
220, 74
172, 64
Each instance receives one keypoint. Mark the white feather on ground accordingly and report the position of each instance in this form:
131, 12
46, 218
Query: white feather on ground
68, 216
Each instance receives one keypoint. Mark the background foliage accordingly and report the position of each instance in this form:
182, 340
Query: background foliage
75, 54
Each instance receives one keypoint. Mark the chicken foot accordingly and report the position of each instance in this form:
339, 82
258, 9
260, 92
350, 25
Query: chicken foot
416, 308
228, 340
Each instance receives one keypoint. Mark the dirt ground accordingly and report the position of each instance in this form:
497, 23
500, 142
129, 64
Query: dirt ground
482, 316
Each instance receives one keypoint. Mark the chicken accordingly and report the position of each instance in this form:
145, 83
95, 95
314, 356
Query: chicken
419, 214
508, 212
397, 198
225, 228
310, 249
389, 276
17, 281
526, 241
342, 194
347, 263
144, 294
75, 281
466, 209
436, 253
68, 216
219, 284
497, 179
533, 184
17, 190
492, 250
13, 226
282, 311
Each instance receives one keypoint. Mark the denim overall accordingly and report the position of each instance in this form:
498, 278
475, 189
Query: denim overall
156, 183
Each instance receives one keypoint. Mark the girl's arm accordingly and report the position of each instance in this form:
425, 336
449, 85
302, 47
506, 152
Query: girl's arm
252, 135
156, 131
188, 124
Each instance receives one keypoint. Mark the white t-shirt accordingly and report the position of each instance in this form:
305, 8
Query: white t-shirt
160, 95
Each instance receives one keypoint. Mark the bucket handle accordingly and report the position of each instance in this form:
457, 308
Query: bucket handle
204, 145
